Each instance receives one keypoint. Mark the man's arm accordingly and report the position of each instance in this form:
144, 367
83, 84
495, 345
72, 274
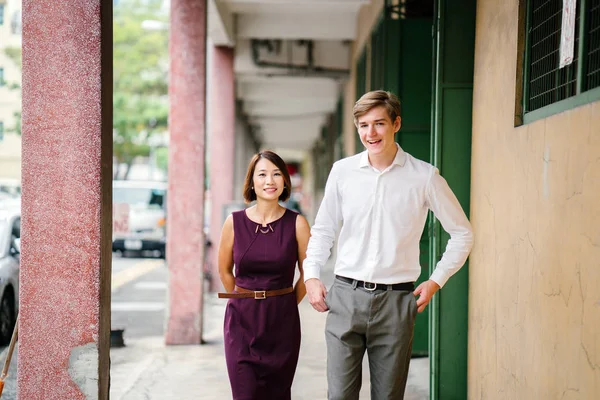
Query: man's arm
448, 211
327, 222
324, 230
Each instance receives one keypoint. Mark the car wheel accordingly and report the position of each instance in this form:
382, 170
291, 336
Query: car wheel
7, 316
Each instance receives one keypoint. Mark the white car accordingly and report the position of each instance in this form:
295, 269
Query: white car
10, 237
139, 216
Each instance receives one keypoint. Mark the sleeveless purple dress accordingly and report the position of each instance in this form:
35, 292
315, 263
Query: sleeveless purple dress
262, 337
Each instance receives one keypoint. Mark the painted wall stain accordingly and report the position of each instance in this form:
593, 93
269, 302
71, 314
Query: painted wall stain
83, 369
545, 184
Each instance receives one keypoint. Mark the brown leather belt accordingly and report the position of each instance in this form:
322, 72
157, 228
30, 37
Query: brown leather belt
254, 294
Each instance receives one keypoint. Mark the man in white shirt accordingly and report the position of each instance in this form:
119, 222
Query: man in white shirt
378, 201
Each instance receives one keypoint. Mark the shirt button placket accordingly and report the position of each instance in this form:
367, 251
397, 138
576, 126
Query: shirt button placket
376, 222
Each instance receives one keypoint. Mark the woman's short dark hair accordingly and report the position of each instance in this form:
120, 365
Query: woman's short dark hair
249, 193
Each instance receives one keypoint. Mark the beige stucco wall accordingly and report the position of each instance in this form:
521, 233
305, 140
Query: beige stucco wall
534, 300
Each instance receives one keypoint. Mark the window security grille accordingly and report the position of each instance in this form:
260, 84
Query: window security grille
593, 45
547, 82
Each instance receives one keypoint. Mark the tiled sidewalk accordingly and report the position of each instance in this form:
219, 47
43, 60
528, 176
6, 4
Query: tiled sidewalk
147, 369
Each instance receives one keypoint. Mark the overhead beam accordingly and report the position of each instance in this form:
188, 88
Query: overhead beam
294, 6
301, 143
290, 108
290, 154
340, 26
275, 89
331, 55
292, 132
296, 123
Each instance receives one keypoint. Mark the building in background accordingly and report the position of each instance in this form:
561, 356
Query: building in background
10, 92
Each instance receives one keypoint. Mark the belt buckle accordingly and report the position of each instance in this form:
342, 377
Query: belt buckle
369, 288
260, 294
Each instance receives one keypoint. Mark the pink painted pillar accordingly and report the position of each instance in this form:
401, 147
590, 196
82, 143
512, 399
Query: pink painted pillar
222, 148
64, 319
185, 214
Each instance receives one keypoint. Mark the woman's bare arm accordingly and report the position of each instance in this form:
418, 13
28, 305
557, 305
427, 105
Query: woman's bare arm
302, 236
226, 255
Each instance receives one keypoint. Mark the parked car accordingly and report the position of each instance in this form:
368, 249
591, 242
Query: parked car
10, 188
139, 216
10, 249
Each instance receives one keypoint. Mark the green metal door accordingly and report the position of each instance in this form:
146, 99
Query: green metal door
454, 42
408, 74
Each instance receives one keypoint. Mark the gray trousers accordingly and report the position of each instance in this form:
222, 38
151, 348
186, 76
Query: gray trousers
380, 322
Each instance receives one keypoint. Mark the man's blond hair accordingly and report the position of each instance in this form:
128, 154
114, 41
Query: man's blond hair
377, 98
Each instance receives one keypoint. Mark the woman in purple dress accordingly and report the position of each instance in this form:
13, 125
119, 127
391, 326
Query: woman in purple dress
265, 243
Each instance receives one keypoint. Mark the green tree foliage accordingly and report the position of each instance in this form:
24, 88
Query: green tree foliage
162, 158
140, 54
15, 54
140, 65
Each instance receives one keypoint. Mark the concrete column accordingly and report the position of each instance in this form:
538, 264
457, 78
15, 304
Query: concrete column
64, 319
185, 202
221, 147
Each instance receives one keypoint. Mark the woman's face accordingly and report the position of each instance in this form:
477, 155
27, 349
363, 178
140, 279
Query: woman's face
268, 180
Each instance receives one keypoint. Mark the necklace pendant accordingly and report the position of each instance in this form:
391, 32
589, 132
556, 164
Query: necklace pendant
269, 227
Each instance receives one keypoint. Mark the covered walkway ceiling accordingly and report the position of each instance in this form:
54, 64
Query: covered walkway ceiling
290, 57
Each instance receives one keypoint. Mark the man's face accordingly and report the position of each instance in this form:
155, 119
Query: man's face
376, 131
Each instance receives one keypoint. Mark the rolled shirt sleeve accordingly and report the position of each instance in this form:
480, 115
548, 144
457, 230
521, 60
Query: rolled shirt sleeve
449, 212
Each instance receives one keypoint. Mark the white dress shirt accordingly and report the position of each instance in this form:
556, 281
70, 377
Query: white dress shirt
382, 215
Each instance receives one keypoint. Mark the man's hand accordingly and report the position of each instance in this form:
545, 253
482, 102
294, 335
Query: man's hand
425, 290
316, 294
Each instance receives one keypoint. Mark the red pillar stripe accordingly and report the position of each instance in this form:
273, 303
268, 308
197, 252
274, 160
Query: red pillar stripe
185, 214
64, 327
222, 147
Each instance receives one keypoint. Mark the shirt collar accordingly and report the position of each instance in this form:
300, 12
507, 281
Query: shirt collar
399, 160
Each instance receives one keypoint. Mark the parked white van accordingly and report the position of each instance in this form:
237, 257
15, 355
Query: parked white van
139, 216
